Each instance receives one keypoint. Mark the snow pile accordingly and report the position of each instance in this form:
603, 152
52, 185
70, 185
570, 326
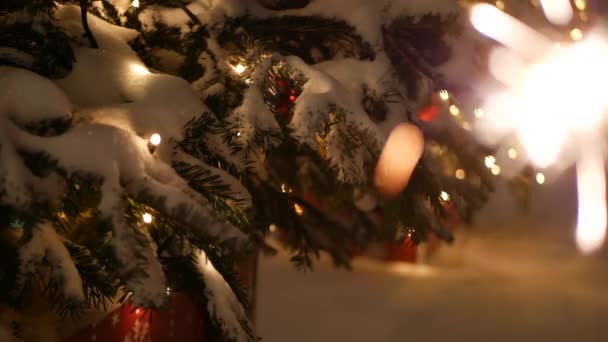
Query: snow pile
47, 245
223, 305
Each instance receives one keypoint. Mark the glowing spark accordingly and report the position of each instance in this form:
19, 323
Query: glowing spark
155, 139
444, 95
147, 218
298, 209
239, 68
135, 3
512, 153
591, 223
454, 110
540, 178
495, 170
272, 228
444, 196
490, 161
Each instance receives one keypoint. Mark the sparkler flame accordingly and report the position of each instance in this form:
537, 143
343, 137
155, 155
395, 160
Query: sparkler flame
557, 100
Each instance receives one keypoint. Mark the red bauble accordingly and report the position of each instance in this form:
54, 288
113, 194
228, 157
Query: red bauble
429, 113
281, 83
292, 98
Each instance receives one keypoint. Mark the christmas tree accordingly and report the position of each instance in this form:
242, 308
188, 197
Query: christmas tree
146, 146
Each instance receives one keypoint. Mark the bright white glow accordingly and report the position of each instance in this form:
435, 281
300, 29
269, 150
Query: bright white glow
558, 12
454, 110
489, 161
444, 196
512, 153
135, 3
479, 112
140, 69
444, 95
155, 139
591, 224
239, 68
507, 30
147, 218
540, 178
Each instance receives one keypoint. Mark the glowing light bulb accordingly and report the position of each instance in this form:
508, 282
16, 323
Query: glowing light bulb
155, 139
558, 12
298, 209
272, 228
490, 161
283, 188
454, 110
444, 95
239, 68
238, 134
495, 170
576, 34
168, 290
460, 174
444, 196
479, 112
540, 178
147, 218
512, 153
581, 5
135, 3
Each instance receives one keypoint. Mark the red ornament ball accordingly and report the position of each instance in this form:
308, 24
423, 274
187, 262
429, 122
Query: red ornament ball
292, 98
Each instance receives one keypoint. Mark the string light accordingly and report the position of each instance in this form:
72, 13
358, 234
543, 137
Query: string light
581, 5
500, 5
272, 228
154, 141
298, 209
454, 110
479, 112
490, 161
460, 174
444, 95
283, 188
239, 68
576, 34
495, 170
168, 290
147, 218
512, 153
238, 134
540, 178
135, 3
444, 196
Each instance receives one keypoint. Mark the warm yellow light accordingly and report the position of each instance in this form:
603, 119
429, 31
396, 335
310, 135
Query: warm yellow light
490, 161
283, 188
298, 209
512, 153
479, 112
581, 5
540, 178
147, 218
576, 34
460, 174
238, 134
239, 68
140, 69
155, 139
500, 5
135, 3
444, 196
272, 228
495, 170
168, 290
444, 95
454, 110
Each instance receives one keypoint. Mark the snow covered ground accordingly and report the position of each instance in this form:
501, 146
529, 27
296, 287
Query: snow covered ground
510, 277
